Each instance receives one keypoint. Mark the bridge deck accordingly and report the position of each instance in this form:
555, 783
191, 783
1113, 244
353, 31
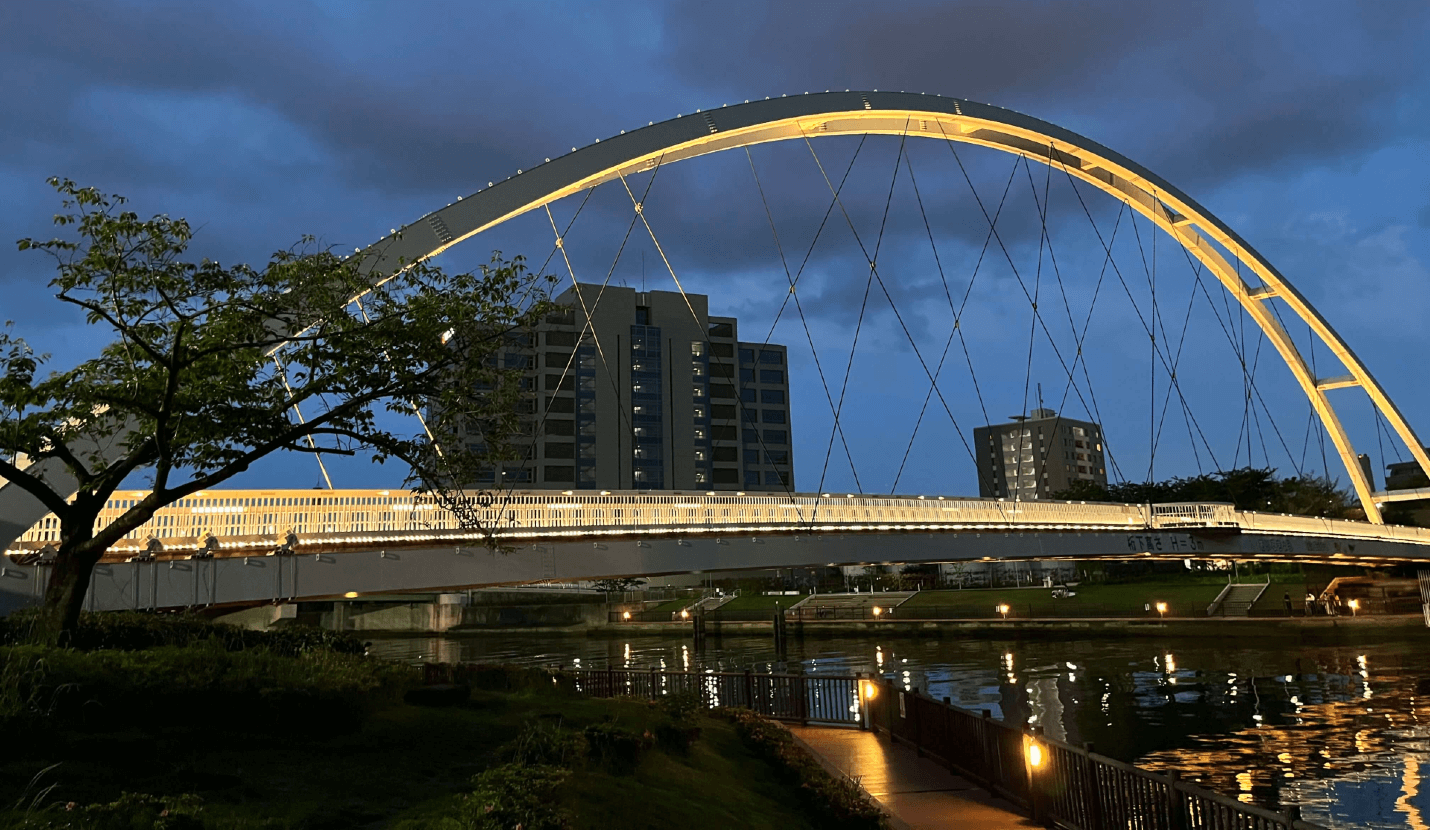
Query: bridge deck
247, 521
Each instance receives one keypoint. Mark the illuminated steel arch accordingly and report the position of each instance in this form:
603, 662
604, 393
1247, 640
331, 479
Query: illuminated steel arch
931, 116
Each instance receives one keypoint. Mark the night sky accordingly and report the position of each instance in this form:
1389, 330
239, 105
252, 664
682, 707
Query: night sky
1302, 125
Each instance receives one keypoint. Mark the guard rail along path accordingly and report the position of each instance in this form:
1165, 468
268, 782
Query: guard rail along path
1059, 784
239, 522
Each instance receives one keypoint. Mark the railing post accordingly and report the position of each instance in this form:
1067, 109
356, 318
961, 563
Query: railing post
1092, 788
749, 690
1035, 781
1293, 815
801, 698
992, 758
654, 685
1176, 819
916, 724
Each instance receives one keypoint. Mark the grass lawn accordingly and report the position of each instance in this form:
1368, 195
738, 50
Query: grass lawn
671, 606
1092, 600
760, 602
406, 766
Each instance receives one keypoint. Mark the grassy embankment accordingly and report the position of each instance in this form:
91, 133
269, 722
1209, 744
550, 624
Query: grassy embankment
226, 729
1183, 598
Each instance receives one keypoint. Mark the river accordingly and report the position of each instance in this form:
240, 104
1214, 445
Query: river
1343, 731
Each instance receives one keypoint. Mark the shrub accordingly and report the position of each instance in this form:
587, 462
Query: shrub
620, 749
546, 745
131, 810
256, 690
137, 630
836, 803
513, 795
682, 707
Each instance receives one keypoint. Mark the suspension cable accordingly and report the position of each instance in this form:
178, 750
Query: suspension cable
639, 206
875, 276
792, 294
957, 312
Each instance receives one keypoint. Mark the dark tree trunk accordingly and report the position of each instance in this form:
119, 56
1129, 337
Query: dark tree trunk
64, 596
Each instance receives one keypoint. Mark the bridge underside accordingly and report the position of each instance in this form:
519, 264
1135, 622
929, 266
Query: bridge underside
234, 580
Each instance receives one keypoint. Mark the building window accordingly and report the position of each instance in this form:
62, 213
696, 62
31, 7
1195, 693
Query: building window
772, 376
560, 473
697, 348
772, 396
747, 375
722, 410
776, 436
700, 433
777, 457
747, 355
748, 415
727, 475
642, 315
774, 416
752, 478
772, 357
747, 395
772, 477
752, 436
698, 412
726, 454
701, 477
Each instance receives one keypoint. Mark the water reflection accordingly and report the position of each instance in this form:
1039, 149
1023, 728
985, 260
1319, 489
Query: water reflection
1343, 731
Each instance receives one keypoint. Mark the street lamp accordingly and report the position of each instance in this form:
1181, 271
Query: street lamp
1354, 604
1161, 609
626, 616
878, 611
1002, 609
684, 614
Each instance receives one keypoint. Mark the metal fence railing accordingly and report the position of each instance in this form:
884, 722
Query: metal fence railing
1060, 784
799, 698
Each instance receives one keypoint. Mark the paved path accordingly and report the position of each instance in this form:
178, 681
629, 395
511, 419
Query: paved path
916, 792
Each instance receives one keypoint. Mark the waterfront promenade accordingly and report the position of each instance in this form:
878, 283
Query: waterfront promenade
916, 792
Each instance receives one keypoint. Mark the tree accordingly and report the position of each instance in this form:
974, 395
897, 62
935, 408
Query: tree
1246, 488
208, 362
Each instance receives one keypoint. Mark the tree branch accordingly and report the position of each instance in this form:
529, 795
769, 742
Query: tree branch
34, 486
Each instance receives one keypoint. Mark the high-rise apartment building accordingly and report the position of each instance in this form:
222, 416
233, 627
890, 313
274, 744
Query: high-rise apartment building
655, 395
1036, 455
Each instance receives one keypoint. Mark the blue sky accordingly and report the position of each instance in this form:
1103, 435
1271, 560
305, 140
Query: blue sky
1303, 125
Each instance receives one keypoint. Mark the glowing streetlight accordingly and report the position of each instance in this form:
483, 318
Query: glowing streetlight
1161, 609
870, 690
626, 616
1036, 755
1002, 609
684, 614
878, 610
1354, 604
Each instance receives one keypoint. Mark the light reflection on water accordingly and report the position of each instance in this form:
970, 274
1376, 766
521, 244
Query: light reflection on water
1343, 731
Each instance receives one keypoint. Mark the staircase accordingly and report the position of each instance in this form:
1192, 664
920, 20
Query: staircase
1236, 600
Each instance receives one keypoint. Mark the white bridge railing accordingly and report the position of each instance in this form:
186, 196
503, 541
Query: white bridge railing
248, 519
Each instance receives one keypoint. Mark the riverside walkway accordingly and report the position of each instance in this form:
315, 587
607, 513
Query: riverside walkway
916, 792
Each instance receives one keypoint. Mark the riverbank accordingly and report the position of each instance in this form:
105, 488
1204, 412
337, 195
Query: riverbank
1313, 629
223, 728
